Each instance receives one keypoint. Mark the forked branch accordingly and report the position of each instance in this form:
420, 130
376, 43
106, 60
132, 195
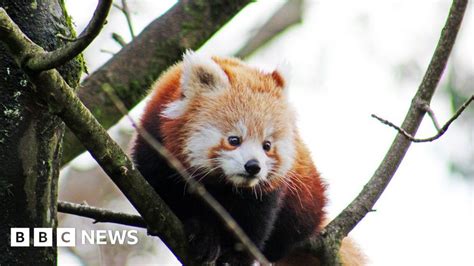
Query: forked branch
441, 130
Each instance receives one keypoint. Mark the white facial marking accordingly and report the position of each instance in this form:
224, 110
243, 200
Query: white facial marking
239, 181
203, 139
287, 152
174, 109
242, 129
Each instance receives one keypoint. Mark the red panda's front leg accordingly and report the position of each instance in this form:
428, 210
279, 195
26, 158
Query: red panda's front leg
203, 240
255, 215
301, 215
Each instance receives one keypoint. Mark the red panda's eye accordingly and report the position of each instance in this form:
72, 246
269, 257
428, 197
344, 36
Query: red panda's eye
234, 141
267, 145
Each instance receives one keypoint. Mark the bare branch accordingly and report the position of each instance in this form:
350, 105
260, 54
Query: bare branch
62, 100
105, 51
441, 130
193, 185
119, 39
338, 228
100, 215
426, 107
50, 60
126, 13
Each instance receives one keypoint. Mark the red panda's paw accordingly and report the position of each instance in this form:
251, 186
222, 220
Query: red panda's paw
203, 241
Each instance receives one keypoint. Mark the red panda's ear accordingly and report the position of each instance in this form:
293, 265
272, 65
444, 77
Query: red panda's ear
278, 79
201, 74
281, 75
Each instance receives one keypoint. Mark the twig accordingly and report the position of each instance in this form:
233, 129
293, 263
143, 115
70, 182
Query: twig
338, 228
105, 51
119, 39
441, 130
50, 60
193, 186
126, 12
426, 107
100, 215
61, 99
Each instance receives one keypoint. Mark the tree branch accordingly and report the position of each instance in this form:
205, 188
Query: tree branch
187, 25
50, 60
62, 100
119, 39
286, 16
126, 12
441, 130
426, 107
328, 242
100, 215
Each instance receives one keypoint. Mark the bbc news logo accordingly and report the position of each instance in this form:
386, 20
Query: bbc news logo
66, 237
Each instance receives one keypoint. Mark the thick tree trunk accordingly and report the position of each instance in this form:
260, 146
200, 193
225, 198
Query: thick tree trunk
30, 136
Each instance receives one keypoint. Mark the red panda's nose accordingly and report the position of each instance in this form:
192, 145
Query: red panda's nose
252, 167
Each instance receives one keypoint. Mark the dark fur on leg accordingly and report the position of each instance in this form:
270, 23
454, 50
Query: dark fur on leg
203, 241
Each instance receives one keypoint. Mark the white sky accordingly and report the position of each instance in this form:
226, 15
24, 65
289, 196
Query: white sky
346, 59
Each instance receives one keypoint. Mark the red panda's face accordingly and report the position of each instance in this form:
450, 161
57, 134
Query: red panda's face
239, 127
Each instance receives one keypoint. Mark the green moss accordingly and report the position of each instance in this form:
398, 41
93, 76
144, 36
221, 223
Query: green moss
23, 82
68, 18
34, 5
70, 24
12, 113
97, 111
195, 11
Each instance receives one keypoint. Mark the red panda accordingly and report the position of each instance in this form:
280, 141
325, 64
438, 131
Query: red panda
233, 129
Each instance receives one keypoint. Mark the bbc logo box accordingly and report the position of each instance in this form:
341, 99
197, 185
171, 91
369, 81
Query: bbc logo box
42, 237
20, 237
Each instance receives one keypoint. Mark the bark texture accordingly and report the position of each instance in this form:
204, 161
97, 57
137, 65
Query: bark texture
30, 137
